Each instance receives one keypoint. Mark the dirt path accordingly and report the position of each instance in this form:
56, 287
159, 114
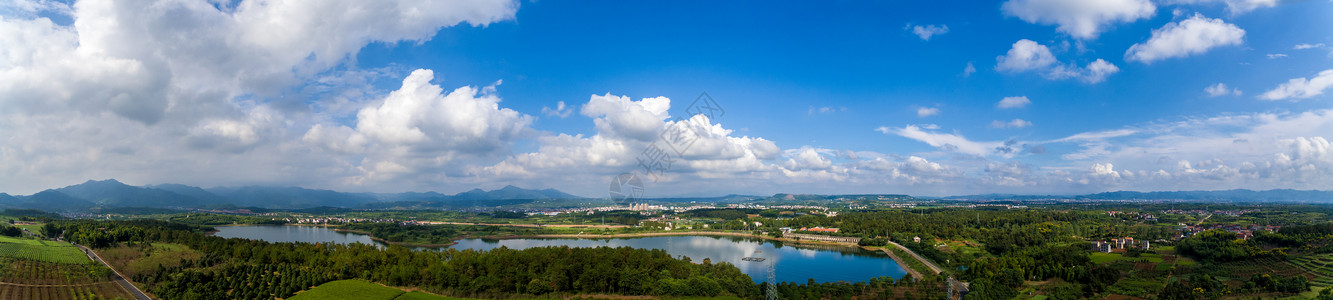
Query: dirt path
120, 279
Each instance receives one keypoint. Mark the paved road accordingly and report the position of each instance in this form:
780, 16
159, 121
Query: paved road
120, 279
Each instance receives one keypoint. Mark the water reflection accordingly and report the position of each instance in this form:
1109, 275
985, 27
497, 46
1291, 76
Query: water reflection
795, 264
792, 262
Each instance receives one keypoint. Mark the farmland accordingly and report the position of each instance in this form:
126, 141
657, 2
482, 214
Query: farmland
41, 250
40, 269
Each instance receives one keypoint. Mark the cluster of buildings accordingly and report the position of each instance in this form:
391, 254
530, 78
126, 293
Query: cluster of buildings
1005, 206
1241, 231
1233, 213
1122, 243
788, 230
1133, 214
336, 220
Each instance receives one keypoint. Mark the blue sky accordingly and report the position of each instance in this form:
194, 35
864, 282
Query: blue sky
934, 98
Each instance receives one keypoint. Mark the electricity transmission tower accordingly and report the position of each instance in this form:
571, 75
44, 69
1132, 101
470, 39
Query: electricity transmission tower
772, 293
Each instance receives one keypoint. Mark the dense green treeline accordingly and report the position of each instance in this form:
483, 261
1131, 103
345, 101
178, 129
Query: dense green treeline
436, 234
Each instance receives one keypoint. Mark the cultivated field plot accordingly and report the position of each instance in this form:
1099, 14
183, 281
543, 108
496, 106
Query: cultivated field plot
30, 279
41, 250
101, 290
39, 269
1320, 266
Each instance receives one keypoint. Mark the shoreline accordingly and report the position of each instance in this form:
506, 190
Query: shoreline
899, 260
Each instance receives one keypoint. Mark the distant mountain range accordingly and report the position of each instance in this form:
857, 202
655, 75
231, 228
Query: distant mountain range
1237, 195
114, 194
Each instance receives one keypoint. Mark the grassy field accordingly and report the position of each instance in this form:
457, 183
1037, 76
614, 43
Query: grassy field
134, 261
41, 250
351, 290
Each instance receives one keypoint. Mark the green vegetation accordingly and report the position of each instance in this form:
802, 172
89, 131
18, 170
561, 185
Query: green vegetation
1041, 252
350, 290
437, 234
41, 250
910, 260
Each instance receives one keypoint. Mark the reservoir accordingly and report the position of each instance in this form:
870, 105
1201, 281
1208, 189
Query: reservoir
789, 263
282, 234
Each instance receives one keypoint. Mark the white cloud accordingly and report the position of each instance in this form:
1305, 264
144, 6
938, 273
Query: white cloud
1221, 89
1013, 102
1083, 19
1191, 36
927, 111
807, 158
1027, 55
1098, 70
1275, 55
1234, 7
824, 109
1307, 46
1301, 88
944, 141
925, 32
968, 70
560, 110
621, 117
1015, 123
178, 80
420, 115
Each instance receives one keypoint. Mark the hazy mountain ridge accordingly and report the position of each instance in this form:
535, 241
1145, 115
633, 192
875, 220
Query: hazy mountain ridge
1234, 195
111, 193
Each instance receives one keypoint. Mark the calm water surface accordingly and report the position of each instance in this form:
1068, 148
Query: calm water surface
790, 263
281, 233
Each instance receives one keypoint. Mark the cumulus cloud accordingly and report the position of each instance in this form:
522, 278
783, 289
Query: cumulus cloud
926, 32
1221, 89
968, 70
621, 117
197, 79
1301, 88
1191, 36
927, 111
420, 115
1080, 19
1026, 55
1013, 102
